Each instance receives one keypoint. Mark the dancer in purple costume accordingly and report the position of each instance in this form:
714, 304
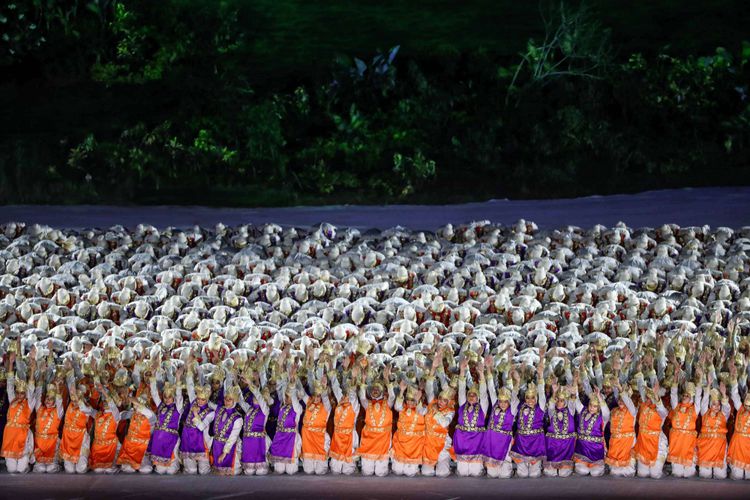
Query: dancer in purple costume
561, 433
200, 414
591, 449
255, 441
472, 419
286, 444
165, 438
226, 428
528, 450
499, 434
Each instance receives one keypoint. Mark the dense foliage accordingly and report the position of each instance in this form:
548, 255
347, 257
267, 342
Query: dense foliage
159, 102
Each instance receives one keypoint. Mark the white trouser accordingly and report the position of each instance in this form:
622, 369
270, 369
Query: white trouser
318, 467
715, 472
201, 466
18, 465
628, 471
79, 467
593, 470
339, 467
467, 469
441, 469
656, 470
376, 467
679, 470
170, 469
739, 472
173, 467
144, 468
259, 469
52, 468
285, 468
402, 469
503, 471
555, 472
526, 469
105, 470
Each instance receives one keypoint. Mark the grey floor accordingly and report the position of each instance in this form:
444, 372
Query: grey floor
304, 487
726, 206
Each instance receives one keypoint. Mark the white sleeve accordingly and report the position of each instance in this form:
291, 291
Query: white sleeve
491, 390
190, 384
483, 402
362, 397
204, 424
154, 392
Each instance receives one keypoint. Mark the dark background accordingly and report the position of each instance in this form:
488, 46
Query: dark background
240, 102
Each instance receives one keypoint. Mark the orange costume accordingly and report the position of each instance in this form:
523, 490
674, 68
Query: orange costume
622, 439
376, 435
409, 439
136, 442
739, 447
683, 437
647, 444
435, 433
17, 429
712, 441
344, 421
46, 434
314, 437
104, 448
74, 433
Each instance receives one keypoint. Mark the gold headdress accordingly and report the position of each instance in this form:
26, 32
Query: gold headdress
447, 393
233, 393
531, 390
503, 394
202, 392
169, 390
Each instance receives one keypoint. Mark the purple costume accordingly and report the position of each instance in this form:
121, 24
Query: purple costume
284, 440
529, 443
561, 439
254, 436
222, 429
192, 444
469, 435
499, 435
590, 447
165, 435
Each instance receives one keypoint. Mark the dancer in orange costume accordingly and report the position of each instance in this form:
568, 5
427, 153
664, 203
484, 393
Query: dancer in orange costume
651, 443
18, 440
436, 459
315, 439
46, 432
409, 438
375, 444
75, 442
683, 438
133, 456
106, 446
712, 441
620, 455
739, 447
345, 438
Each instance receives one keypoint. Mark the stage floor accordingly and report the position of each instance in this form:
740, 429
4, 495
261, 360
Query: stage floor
26, 487
725, 206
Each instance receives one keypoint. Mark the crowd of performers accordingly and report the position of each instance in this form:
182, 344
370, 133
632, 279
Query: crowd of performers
483, 415
264, 350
